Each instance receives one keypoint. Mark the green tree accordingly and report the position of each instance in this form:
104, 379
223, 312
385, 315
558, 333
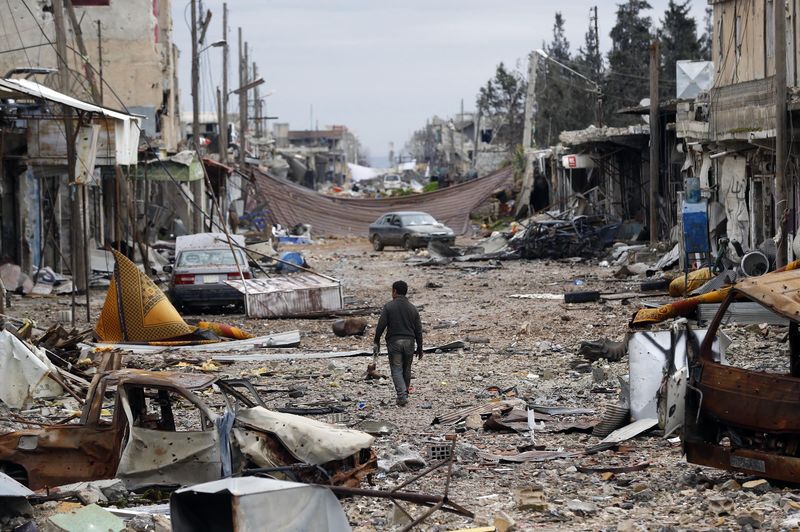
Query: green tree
557, 96
503, 99
706, 41
627, 81
589, 62
678, 42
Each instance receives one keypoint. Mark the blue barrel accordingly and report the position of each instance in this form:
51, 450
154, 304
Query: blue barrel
292, 257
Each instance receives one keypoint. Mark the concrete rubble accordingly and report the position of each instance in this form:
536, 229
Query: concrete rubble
557, 475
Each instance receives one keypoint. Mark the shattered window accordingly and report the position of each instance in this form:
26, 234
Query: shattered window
163, 409
418, 219
208, 257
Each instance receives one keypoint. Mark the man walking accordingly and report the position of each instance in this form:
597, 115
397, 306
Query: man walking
401, 321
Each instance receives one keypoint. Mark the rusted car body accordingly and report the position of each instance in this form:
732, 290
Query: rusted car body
148, 441
744, 420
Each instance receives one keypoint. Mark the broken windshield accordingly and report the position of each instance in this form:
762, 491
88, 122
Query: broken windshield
419, 219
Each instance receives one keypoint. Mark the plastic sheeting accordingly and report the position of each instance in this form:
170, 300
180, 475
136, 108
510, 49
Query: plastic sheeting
24, 372
309, 440
255, 504
291, 204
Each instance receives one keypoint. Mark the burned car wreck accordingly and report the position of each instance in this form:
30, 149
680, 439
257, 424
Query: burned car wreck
158, 430
744, 420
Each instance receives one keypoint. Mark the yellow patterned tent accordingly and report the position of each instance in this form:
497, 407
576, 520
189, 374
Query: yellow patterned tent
136, 310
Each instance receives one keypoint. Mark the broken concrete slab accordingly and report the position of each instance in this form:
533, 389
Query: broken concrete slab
91, 517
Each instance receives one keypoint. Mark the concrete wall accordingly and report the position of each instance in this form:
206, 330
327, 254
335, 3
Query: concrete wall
138, 55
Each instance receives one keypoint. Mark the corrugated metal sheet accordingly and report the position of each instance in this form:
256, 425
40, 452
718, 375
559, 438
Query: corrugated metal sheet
290, 295
290, 204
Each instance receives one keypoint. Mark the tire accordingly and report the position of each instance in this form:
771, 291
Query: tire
377, 244
660, 284
407, 243
581, 297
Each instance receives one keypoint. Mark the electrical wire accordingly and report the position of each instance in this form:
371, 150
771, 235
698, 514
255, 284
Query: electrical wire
136, 122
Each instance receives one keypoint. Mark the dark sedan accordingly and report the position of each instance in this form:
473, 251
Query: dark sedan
410, 230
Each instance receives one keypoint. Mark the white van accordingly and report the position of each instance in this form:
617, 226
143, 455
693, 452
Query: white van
392, 182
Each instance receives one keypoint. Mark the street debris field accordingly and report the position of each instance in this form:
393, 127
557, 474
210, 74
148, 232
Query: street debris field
509, 347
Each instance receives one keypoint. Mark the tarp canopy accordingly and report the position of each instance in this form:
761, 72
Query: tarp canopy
126, 129
291, 204
183, 167
136, 310
362, 173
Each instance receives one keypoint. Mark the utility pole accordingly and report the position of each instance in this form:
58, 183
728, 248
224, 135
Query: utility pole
87, 68
77, 250
599, 103
223, 121
256, 104
655, 139
528, 134
781, 196
100, 58
197, 185
242, 97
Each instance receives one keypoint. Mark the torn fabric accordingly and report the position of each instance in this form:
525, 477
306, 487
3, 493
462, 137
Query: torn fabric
136, 310
291, 204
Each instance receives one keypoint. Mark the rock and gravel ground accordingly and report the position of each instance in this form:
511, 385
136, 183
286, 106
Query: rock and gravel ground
527, 343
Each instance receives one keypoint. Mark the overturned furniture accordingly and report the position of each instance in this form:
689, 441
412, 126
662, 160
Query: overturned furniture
744, 420
161, 432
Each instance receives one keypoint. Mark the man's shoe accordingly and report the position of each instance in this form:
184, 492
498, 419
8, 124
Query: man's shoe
402, 402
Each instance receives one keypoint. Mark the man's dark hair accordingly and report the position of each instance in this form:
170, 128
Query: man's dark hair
400, 287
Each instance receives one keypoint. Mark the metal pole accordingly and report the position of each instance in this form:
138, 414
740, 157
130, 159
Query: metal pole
655, 139
197, 185
87, 68
76, 231
223, 122
781, 196
100, 58
242, 98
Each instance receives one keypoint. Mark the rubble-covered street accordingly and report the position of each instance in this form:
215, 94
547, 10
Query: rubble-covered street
528, 345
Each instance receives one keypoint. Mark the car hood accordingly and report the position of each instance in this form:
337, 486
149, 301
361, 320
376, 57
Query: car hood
429, 229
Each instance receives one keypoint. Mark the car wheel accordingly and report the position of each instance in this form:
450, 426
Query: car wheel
377, 244
15, 471
407, 243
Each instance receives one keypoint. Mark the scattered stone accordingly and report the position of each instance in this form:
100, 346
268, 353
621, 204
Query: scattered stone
531, 499
759, 486
730, 485
401, 458
581, 507
753, 519
477, 340
432, 285
90, 495
474, 422
720, 506
504, 523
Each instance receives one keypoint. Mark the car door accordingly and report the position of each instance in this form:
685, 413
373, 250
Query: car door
396, 231
158, 451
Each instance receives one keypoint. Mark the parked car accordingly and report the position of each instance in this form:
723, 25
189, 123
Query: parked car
410, 230
392, 182
203, 262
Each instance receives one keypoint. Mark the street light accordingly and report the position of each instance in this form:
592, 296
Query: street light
215, 44
597, 91
252, 85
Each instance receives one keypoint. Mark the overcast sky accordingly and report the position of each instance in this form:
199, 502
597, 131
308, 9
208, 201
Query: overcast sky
382, 67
